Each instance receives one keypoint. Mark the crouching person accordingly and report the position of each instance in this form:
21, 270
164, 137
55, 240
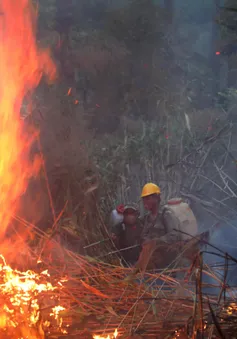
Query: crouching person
153, 228
166, 233
127, 235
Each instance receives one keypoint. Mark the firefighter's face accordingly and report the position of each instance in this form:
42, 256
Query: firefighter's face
151, 202
130, 217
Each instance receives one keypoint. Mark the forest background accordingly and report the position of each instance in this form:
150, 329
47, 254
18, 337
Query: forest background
146, 91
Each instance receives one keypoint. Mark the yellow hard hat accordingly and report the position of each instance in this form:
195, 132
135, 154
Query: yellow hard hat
150, 189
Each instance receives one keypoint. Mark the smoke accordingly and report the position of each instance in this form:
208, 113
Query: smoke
225, 239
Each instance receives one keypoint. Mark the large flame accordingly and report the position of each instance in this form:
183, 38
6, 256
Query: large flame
22, 65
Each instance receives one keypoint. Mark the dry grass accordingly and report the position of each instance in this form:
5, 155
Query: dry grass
88, 176
98, 297
85, 178
181, 157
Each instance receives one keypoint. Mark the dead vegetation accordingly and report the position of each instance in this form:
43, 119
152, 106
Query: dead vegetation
97, 298
189, 152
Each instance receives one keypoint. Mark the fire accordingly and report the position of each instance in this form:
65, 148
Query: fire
20, 295
22, 65
114, 335
232, 308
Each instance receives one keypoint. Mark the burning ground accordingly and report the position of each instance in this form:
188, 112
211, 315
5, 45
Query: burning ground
81, 297
61, 294
25, 297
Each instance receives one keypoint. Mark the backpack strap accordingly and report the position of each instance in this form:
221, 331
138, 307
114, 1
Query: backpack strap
164, 210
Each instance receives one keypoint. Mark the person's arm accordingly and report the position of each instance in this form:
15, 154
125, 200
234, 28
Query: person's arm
116, 232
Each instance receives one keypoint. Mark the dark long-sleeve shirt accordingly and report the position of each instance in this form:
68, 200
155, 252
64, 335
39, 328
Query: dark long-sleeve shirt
128, 236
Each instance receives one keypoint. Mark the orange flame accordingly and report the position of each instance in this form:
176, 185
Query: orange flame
20, 309
113, 336
22, 65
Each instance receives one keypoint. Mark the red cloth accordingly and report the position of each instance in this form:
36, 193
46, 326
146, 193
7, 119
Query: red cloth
120, 208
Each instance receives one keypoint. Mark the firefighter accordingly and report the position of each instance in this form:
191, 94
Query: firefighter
127, 235
153, 224
155, 233
161, 241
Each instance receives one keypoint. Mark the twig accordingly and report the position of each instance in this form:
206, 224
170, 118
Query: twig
199, 287
196, 199
197, 149
117, 251
216, 322
220, 218
228, 149
215, 184
96, 243
224, 181
202, 164
223, 289
207, 243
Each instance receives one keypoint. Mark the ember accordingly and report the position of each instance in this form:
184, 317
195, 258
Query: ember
231, 308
